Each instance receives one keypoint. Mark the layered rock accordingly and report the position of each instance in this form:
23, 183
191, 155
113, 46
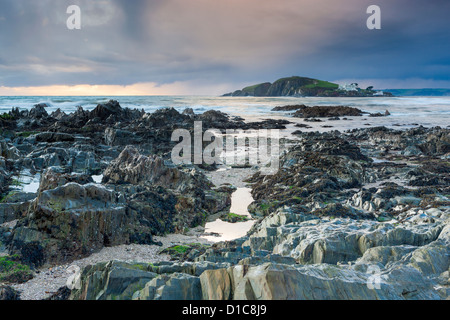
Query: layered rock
72, 221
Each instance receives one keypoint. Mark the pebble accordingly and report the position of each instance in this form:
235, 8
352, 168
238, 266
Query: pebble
47, 280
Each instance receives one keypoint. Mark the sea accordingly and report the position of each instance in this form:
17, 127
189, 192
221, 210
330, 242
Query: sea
406, 112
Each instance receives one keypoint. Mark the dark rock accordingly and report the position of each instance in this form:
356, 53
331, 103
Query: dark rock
38, 111
373, 115
133, 168
8, 294
103, 111
62, 294
72, 221
301, 125
327, 111
51, 137
52, 179
290, 108
313, 120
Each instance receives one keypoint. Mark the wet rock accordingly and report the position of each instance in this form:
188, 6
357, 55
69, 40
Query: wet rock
133, 168
38, 111
73, 220
378, 114
118, 137
267, 124
191, 194
385, 255
51, 137
111, 281
327, 112
301, 125
103, 111
290, 108
214, 116
13, 211
313, 120
176, 286
8, 151
53, 178
323, 282
62, 294
188, 112
312, 173
58, 114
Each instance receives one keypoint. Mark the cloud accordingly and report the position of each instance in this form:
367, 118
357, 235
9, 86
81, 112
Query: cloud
138, 89
221, 42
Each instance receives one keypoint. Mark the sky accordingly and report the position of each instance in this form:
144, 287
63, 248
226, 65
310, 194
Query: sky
211, 47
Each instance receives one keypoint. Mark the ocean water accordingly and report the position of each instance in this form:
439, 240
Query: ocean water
405, 111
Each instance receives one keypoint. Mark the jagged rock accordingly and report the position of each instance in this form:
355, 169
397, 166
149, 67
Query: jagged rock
313, 171
58, 114
188, 112
176, 286
112, 280
8, 151
319, 209
118, 137
133, 168
103, 111
214, 116
188, 190
52, 179
38, 111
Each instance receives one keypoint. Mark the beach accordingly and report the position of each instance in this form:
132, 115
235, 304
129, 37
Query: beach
89, 189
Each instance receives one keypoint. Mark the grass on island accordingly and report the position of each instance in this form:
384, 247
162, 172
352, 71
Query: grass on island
27, 134
6, 116
12, 271
321, 84
180, 252
266, 207
16, 183
233, 217
6, 197
251, 88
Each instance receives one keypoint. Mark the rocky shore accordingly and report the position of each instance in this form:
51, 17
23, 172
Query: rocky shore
361, 214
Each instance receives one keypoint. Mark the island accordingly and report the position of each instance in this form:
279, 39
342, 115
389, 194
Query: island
305, 87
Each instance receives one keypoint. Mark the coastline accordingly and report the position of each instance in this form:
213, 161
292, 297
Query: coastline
359, 179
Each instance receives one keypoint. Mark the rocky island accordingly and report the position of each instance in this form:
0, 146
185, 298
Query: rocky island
360, 214
304, 87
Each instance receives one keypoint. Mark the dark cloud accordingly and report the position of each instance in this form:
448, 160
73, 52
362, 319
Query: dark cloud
222, 41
